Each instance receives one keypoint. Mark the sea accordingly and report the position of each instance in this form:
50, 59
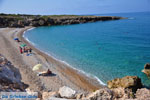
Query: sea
103, 50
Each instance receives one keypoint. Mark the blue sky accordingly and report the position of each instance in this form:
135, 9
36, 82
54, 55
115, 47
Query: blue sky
50, 7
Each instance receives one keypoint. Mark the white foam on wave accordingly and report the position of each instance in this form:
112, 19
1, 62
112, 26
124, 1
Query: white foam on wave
64, 62
81, 71
28, 30
27, 38
30, 41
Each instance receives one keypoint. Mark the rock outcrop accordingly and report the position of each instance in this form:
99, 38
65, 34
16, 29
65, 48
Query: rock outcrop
10, 78
34, 20
123, 94
143, 94
101, 94
129, 82
146, 69
81, 96
66, 92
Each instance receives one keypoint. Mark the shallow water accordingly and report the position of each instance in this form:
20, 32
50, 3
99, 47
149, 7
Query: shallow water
107, 49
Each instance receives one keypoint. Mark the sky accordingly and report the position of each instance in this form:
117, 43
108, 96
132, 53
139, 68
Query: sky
75, 7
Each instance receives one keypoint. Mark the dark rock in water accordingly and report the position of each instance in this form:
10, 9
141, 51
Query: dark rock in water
147, 66
146, 69
129, 82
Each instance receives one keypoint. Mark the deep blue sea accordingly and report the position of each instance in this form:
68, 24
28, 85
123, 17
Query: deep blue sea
107, 49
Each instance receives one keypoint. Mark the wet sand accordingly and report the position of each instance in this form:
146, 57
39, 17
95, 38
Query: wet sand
63, 75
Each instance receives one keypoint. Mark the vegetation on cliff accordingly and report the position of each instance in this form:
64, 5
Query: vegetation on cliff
12, 20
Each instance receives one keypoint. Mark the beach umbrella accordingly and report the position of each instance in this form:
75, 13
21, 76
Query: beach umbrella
23, 45
16, 39
37, 67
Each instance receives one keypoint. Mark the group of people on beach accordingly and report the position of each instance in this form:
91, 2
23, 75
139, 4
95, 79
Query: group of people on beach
25, 50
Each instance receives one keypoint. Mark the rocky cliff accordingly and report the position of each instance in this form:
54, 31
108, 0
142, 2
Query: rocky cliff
37, 20
10, 78
117, 93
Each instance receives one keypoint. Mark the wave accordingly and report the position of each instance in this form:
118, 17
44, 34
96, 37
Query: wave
64, 62
30, 41
28, 30
79, 70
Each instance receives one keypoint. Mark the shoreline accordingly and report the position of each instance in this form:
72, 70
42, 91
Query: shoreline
64, 62
79, 78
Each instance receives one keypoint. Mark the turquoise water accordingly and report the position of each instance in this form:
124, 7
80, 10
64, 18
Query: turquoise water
107, 49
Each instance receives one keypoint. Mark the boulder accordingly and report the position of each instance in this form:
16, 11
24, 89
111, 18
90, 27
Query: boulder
66, 92
129, 82
147, 66
121, 93
143, 94
101, 94
146, 69
28, 90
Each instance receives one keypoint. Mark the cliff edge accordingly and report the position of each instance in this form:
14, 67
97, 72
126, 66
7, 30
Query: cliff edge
11, 20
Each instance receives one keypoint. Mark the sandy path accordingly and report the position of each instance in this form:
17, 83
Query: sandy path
62, 75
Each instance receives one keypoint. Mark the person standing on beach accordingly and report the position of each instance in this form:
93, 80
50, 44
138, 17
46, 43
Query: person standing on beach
21, 51
24, 49
30, 50
27, 50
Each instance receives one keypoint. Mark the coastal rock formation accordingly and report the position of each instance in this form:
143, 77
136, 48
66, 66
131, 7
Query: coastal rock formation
81, 96
66, 92
121, 93
101, 94
129, 82
12, 22
34, 20
10, 78
146, 69
143, 94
